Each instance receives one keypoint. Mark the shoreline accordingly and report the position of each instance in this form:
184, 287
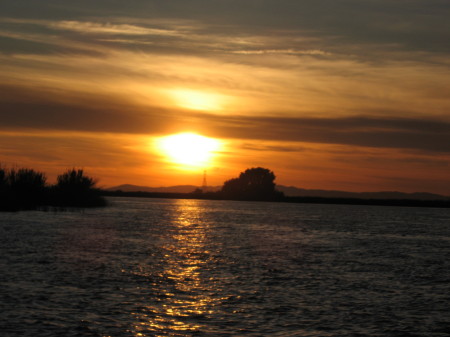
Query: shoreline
305, 200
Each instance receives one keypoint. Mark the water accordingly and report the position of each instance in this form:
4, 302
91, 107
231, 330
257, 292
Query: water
151, 267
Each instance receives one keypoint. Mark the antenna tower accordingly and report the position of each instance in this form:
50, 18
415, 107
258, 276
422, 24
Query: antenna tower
204, 185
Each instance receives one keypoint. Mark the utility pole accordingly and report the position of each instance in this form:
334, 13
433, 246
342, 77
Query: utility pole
204, 185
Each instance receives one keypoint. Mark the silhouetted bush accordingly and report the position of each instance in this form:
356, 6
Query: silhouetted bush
252, 184
3, 188
21, 188
74, 181
26, 180
74, 188
3, 180
24, 189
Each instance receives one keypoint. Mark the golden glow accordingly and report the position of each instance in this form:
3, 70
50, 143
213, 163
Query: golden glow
186, 294
196, 100
189, 149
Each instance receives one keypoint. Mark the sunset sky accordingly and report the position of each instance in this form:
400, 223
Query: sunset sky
329, 94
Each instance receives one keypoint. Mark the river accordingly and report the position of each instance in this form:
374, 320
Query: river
161, 267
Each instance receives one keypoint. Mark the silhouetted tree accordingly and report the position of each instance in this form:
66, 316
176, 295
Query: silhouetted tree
252, 184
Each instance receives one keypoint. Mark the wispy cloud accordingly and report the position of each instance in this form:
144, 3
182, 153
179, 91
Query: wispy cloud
281, 51
93, 27
109, 28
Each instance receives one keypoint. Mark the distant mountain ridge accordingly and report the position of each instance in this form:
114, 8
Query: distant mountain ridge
291, 191
167, 189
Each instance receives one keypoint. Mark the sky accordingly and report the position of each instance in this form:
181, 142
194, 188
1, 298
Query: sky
329, 94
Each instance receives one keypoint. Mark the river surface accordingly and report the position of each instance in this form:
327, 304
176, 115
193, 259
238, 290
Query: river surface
154, 267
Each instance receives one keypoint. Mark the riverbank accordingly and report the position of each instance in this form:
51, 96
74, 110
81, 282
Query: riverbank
311, 200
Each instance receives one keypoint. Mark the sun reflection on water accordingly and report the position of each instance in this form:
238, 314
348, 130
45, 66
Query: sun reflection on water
184, 294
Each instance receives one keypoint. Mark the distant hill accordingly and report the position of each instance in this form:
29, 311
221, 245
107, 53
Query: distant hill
291, 191
169, 189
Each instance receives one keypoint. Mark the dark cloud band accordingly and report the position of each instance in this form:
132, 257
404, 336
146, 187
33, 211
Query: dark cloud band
34, 109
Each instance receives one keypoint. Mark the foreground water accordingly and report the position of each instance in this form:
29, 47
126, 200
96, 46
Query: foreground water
150, 267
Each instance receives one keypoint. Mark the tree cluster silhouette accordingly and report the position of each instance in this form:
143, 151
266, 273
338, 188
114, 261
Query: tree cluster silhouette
25, 189
253, 184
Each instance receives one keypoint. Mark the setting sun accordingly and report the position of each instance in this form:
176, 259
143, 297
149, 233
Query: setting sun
188, 149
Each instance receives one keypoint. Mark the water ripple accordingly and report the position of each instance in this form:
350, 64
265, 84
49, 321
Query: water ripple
149, 267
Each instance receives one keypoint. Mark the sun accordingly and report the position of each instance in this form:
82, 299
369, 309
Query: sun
189, 149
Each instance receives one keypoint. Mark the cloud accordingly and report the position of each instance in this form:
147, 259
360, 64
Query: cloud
354, 26
179, 33
109, 28
298, 71
281, 51
261, 147
20, 109
382, 132
58, 110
